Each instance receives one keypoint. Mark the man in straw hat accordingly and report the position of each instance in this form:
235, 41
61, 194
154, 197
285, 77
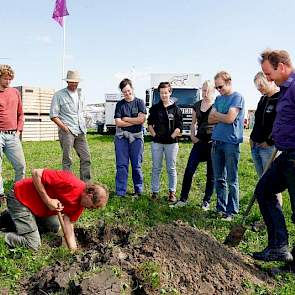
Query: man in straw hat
67, 113
11, 124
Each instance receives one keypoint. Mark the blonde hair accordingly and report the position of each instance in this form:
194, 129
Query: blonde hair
225, 76
6, 70
261, 78
210, 86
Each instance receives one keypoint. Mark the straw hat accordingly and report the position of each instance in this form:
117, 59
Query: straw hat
73, 76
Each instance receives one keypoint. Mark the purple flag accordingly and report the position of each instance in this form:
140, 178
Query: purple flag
60, 10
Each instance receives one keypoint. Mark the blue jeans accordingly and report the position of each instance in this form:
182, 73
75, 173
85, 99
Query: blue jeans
10, 145
225, 159
125, 151
201, 152
278, 177
261, 156
170, 151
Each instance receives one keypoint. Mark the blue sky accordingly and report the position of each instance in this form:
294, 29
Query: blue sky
110, 40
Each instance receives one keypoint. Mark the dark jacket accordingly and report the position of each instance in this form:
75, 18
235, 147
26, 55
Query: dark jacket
264, 118
205, 129
165, 121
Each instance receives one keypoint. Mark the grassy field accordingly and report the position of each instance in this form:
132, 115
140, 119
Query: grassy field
140, 215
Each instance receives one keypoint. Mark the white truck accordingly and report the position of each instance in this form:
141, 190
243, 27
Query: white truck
186, 92
109, 126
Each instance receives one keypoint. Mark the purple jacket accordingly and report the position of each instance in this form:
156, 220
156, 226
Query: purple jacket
283, 131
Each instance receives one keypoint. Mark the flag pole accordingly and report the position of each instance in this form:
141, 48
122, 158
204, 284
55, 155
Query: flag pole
59, 13
63, 50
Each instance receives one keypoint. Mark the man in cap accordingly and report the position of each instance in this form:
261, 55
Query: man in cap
67, 113
11, 124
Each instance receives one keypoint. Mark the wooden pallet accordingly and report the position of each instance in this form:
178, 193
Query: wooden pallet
36, 100
39, 127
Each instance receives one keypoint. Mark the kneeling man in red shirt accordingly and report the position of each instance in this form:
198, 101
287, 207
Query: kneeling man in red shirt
37, 200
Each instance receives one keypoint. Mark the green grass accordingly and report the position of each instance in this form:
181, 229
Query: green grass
139, 215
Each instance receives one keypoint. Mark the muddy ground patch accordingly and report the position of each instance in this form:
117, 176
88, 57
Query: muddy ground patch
172, 259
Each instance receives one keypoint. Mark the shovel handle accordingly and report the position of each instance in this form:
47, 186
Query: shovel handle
252, 200
62, 224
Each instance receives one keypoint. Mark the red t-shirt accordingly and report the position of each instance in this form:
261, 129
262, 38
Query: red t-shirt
11, 110
59, 184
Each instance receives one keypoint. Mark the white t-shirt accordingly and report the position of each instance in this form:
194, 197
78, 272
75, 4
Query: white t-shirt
75, 98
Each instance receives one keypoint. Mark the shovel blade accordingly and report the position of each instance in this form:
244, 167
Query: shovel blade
235, 236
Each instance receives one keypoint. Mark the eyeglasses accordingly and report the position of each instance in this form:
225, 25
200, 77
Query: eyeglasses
219, 87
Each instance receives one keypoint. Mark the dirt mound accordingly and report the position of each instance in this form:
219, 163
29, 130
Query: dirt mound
171, 259
192, 262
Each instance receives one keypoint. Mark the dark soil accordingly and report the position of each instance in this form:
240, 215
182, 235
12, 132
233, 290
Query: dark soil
171, 259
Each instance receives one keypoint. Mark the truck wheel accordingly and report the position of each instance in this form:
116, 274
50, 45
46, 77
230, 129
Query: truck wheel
100, 129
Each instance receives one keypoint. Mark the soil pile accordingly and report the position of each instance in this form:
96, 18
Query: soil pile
171, 259
192, 262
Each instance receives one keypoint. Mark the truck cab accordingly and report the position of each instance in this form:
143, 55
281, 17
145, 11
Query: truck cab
185, 93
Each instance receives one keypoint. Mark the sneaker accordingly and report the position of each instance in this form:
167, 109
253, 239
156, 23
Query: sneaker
179, 204
227, 217
136, 195
154, 196
172, 197
120, 196
205, 206
274, 254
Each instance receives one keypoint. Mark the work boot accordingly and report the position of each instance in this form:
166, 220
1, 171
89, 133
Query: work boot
274, 254
258, 226
172, 198
2, 199
6, 222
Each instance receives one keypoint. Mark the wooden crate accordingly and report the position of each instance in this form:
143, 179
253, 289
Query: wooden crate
28, 90
37, 128
45, 103
49, 130
36, 100
31, 104
46, 91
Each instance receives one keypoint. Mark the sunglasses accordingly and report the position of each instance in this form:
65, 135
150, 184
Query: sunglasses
219, 87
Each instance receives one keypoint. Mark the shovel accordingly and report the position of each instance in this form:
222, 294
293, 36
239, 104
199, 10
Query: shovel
237, 232
62, 224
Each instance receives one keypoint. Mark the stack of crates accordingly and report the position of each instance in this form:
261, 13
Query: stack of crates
36, 105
